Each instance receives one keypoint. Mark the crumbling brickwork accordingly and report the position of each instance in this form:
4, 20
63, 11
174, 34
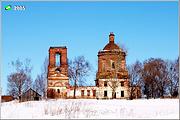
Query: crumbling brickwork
58, 81
112, 61
112, 66
63, 68
111, 72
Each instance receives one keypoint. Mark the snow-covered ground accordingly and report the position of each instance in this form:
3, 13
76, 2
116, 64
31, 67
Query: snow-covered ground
89, 108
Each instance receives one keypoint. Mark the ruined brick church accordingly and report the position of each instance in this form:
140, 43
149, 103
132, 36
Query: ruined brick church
111, 77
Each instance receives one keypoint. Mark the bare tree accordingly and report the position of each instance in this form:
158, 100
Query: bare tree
112, 81
154, 75
40, 83
114, 84
173, 77
78, 69
134, 71
44, 70
19, 80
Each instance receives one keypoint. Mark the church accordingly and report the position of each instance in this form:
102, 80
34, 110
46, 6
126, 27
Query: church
111, 78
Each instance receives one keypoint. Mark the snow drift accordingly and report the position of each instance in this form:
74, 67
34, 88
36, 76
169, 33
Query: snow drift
92, 109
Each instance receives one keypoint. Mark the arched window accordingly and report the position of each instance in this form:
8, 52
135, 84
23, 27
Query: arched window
113, 65
58, 90
105, 83
58, 59
103, 66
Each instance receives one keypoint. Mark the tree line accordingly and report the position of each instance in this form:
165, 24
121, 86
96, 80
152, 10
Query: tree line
156, 77
20, 79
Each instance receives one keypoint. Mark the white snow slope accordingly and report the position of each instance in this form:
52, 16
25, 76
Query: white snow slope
92, 109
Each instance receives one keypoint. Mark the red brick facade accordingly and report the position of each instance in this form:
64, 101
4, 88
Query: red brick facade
63, 68
58, 81
112, 61
111, 66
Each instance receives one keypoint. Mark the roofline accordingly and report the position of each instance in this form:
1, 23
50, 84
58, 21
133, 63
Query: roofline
32, 90
57, 47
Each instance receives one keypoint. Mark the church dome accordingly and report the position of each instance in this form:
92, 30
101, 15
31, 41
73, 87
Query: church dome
111, 45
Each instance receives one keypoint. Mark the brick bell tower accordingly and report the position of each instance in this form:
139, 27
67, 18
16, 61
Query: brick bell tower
58, 80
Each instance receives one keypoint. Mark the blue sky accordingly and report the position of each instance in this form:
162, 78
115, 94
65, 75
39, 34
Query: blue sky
147, 29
